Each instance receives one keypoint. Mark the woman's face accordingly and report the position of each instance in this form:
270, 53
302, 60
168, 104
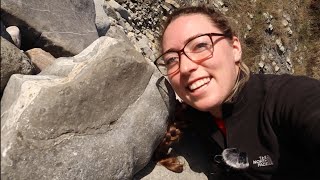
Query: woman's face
203, 85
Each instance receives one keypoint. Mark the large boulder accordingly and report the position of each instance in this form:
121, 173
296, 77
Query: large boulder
13, 61
97, 115
63, 28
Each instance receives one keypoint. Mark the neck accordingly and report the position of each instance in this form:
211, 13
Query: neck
216, 112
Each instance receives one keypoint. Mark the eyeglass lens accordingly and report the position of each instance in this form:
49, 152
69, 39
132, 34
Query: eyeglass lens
197, 49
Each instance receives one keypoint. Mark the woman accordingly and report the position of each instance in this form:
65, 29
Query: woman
260, 126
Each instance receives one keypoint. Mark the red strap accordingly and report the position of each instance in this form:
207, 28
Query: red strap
221, 126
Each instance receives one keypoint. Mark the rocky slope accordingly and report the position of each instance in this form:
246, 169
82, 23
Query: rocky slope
279, 36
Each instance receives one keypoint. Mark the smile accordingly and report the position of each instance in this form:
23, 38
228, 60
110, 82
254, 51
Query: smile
199, 83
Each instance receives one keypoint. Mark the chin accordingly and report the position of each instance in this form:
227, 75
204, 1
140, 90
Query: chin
205, 103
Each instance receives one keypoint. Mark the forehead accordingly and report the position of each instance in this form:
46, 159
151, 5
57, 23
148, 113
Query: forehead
184, 27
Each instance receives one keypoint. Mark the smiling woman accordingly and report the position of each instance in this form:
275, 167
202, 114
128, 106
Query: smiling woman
250, 118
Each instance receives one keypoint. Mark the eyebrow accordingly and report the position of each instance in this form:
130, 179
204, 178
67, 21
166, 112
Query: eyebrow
184, 42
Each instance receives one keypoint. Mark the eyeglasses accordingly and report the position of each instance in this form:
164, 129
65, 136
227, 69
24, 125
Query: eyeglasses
233, 158
197, 49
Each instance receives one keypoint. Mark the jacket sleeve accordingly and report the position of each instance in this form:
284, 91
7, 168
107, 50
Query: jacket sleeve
298, 110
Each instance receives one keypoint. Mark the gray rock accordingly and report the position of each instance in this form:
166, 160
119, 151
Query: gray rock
112, 13
102, 20
14, 32
63, 28
118, 33
13, 61
121, 10
96, 115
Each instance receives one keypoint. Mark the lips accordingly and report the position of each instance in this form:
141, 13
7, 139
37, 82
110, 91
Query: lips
198, 83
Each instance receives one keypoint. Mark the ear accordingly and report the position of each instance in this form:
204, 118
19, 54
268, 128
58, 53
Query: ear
237, 51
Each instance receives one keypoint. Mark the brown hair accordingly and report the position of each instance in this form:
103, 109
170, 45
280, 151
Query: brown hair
175, 126
163, 155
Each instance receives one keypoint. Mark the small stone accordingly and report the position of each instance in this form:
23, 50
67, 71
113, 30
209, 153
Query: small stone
266, 15
261, 64
279, 44
250, 15
285, 23
287, 17
173, 3
216, 5
15, 35
220, 3
249, 27
270, 55
224, 9
166, 8
276, 68
289, 31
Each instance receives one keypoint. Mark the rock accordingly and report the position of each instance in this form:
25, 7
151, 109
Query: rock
85, 117
15, 35
122, 11
117, 33
287, 16
5, 34
250, 15
280, 46
40, 59
166, 8
270, 28
173, 3
261, 64
284, 22
289, 31
111, 13
143, 44
249, 27
63, 28
102, 21
12, 62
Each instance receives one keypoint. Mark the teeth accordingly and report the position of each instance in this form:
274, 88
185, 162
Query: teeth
199, 83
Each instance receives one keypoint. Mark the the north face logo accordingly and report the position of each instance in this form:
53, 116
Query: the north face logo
263, 161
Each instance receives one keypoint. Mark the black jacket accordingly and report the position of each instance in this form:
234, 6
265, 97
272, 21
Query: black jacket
275, 119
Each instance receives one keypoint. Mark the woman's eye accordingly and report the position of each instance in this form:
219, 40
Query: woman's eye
200, 47
171, 61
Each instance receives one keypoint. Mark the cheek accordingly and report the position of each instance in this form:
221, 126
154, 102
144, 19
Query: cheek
176, 85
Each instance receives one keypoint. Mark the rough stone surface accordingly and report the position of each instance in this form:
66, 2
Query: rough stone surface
63, 28
40, 59
102, 20
85, 117
12, 62
122, 11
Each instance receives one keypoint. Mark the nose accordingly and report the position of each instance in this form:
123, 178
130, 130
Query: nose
187, 65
